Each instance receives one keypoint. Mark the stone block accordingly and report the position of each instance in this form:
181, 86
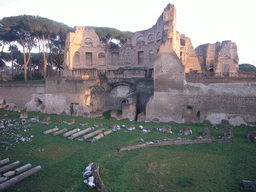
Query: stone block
186, 130
129, 111
251, 136
141, 117
166, 129
23, 114
228, 133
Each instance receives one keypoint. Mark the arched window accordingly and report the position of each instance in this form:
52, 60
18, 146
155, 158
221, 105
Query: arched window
88, 42
151, 38
151, 56
140, 40
101, 55
77, 57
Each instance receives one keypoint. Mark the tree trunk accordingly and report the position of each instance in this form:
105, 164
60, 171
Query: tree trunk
45, 60
24, 56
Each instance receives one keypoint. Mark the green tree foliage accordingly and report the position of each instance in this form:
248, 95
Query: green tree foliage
106, 34
247, 67
33, 30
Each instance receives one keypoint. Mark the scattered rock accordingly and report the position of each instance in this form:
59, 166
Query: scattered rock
58, 121
167, 129
147, 129
98, 125
83, 123
130, 127
71, 121
228, 133
251, 185
141, 117
251, 136
186, 130
3, 114
142, 140
46, 118
23, 114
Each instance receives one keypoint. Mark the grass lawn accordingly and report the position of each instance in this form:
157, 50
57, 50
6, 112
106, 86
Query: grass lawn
195, 167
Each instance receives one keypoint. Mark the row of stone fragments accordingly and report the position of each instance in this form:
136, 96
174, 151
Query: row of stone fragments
10, 176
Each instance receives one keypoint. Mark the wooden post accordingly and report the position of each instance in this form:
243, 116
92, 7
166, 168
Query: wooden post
4, 161
19, 178
59, 132
9, 167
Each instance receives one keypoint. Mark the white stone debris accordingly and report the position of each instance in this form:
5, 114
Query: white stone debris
130, 127
150, 143
87, 175
191, 131
140, 126
145, 131
115, 129
123, 126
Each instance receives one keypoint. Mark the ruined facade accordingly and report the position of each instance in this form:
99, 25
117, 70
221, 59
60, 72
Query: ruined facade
157, 71
85, 54
220, 59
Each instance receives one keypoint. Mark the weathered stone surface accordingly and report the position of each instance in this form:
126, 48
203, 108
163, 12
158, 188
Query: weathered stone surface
71, 121
251, 185
224, 122
166, 129
156, 120
228, 133
141, 117
98, 124
23, 114
251, 136
219, 58
129, 111
206, 122
186, 130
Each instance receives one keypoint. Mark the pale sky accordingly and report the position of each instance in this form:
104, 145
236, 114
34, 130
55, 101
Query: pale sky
204, 21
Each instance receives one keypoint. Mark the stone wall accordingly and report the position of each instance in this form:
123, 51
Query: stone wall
235, 102
219, 58
20, 94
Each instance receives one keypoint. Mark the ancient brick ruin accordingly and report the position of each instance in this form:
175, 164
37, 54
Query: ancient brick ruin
157, 73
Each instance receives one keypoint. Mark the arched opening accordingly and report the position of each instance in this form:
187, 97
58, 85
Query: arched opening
124, 102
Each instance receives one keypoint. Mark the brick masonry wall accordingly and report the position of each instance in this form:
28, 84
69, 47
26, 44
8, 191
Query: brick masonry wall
20, 94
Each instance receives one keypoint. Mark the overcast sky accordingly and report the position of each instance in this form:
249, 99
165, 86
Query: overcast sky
203, 21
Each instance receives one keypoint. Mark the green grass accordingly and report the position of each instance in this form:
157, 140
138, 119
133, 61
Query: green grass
197, 167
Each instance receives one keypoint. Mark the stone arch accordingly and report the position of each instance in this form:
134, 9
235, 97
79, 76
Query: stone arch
151, 38
123, 102
140, 40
